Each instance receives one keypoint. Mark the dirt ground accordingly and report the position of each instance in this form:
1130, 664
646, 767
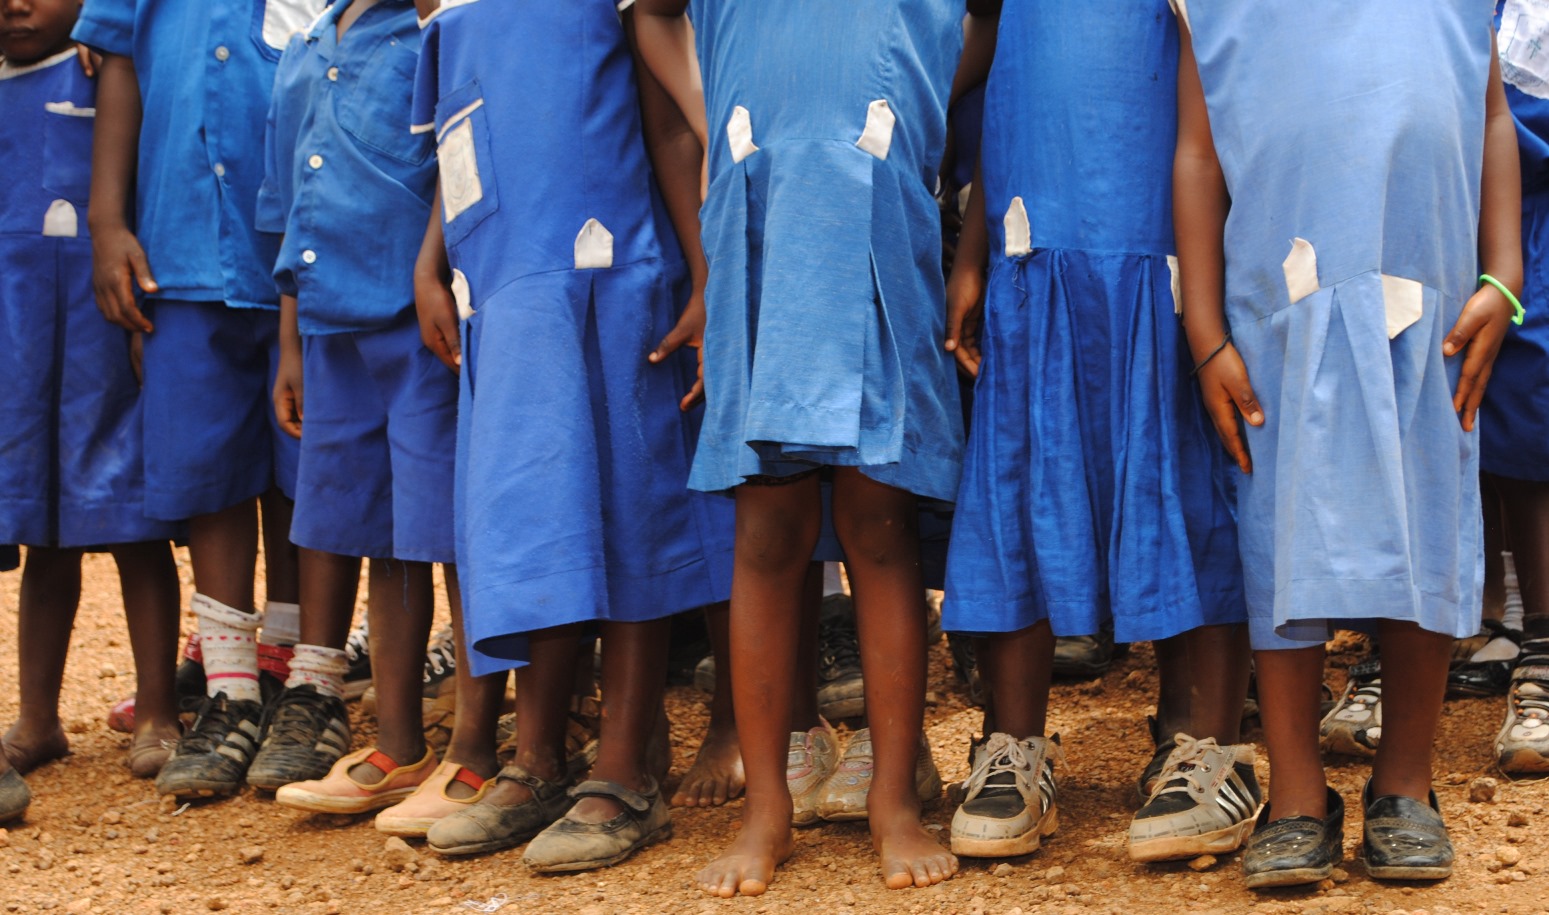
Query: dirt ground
97, 840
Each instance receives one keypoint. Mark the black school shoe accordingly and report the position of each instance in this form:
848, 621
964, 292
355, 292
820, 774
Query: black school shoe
1295, 850
1404, 839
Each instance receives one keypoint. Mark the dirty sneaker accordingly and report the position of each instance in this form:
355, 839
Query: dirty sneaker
1205, 803
1162, 748
1354, 725
844, 795
306, 733
357, 653
1084, 657
1010, 798
841, 690
212, 758
1523, 745
810, 759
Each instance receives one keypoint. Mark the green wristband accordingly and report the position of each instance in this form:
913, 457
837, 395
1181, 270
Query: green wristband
1520, 311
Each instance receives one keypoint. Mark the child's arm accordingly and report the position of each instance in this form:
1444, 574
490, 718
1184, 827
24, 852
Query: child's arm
1487, 315
965, 288
1200, 204
118, 261
677, 157
433, 300
980, 31
287, 377
666, 44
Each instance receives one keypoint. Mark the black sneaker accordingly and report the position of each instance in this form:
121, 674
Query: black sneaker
1403, 839
1084, 657
1145, 786
440, 664
841, 689
212, 758
1295, 850
305, 733
965, 663
1204, 804
357, 652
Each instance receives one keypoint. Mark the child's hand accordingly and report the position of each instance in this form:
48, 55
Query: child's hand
288, 392
90, 60
137, 356
689, 331
118, 266
437, 311
965, 317
1223, 383
1480, 329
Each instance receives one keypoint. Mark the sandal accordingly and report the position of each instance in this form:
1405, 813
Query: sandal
146, 757
485, 827
15, 797
571, 845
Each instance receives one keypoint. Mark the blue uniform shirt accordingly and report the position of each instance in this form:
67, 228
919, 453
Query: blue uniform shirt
45, 142
346, 181
206, 68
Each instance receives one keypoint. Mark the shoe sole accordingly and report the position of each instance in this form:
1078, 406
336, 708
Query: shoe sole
1522, 762
274, 784
843, 708
1293, 876
483, 848
354, 689
851, 813
200, 791
322, 803
1342, 743
406, 827
1010, 846
1174, 848
1408, 873
662, 834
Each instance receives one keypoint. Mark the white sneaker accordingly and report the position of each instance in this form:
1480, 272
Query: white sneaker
1204, 804
811, 758
1009, 804
844, 796
1354, 725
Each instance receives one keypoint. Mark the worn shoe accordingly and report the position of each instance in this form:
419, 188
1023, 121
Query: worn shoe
1207, 798
1010, 798
1403, 839
582, 727
430, 803
1522, 748
1354, 725
1083, 657
339, 792
844, 794
1295, 850
811, 758
1150, 776
965, 663
357, 653
306, 731
213, 757
841, 689
570, 845
704, 674
15, 796
486, 827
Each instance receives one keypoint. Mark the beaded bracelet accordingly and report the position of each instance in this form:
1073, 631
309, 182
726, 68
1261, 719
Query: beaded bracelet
1213, 353
1519, 312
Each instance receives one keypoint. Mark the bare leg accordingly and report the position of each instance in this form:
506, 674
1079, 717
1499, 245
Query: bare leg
1414, 681
148, 577
282, 565
329, 584
1495, 540
1017, 667
716, 775
543, 691
877, 524
1526, 508
478, 703
1290, 691
1204, 681
634, 675
401, 603
50, 592
223, 548
777, 529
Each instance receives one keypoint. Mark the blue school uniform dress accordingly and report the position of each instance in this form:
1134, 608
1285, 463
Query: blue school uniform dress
1351, 137
572, 454
825, 300
205, 69
71, 473
1094, 485
1514, 417
381, 411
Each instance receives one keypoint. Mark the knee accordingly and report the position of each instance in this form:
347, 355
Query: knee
878, 538
774, 542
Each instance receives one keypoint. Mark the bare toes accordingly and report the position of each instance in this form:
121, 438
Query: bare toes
752, 887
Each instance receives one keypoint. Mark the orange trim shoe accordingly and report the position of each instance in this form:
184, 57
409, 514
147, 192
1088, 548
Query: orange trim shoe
414, 817
339, 792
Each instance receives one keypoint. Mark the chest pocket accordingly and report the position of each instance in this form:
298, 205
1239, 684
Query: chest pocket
376, 109
274, 21
1524, 46
468, 192
67, 151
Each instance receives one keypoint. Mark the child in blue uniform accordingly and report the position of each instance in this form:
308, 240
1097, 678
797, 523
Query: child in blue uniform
1514, 416
1344, 175
826, 127
1093, 489
183, 90
573, 454
70, 463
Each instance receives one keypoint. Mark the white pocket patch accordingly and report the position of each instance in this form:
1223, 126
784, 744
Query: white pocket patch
877, 138
739, 134
61, 220
1019, 232
459, 165
1177, 283
284, 18
593, 247
1301, 270
1402, 301
1524, 46
462, 295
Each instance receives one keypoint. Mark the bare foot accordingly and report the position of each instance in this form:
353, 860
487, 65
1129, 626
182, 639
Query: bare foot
27, 751
716, 775
151, 746
749, 864
909, 855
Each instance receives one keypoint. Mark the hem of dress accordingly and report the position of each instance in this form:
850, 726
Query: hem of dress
1282, 631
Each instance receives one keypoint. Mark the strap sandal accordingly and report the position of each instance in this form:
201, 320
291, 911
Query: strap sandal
485, 826
573, 845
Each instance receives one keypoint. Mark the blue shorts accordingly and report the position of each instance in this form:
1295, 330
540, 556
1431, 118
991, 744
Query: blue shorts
211, 438
378, 446
71, 473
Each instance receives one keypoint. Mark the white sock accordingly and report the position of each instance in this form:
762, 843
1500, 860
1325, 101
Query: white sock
230, 651
320, 667
832, 582
1513, 616
282, 624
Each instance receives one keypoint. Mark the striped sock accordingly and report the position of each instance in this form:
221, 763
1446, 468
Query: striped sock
318, 667
230, 651
281, 625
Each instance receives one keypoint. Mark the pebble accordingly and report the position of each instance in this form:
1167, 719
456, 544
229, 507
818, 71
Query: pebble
1202, 863
1054, 874
1002, 870
165, 908
106, 672
1508, 855
78, 906
398, 854
287, 881
1482, 790
168, 803
976, 906
1135, 679
252, 854
153, 835
1340, 875
1515, 819
215, 903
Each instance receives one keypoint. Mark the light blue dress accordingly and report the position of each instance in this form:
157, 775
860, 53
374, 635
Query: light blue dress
825, 300
1093, 484
1351, 136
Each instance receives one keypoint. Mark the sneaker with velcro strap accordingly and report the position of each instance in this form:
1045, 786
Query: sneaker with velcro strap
212, 757
1522, 748
305, 733
1204, 803
1354, 725
1009, 804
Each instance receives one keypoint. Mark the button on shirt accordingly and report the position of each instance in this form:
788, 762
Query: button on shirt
205, 68
346, 182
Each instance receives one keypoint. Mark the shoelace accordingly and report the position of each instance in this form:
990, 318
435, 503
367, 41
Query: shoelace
215, 720
1530, 686
838, 646
1005, 760
440, 657
358, 645
1188, 755
299, 717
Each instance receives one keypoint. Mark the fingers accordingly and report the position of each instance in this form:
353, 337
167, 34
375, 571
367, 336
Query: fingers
695, 395
88, 61
1469, 324
1248, 403
1223, 415
137, 356
287, 409
671, 343
1478, 378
